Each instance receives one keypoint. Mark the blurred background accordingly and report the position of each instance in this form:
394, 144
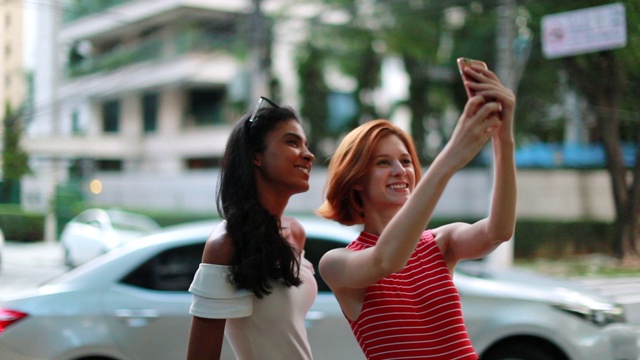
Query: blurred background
128, 103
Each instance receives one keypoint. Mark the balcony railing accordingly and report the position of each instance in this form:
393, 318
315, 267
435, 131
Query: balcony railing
78, 9
153, 50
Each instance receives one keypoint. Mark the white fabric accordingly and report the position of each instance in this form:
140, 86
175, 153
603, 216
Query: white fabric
215, 297
268, 328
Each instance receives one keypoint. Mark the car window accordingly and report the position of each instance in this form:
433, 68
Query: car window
314, 248
173, 269
170, 270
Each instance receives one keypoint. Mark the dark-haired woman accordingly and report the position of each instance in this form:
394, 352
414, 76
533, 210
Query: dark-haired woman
254, 285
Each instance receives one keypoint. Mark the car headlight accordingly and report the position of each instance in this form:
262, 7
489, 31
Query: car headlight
599, 314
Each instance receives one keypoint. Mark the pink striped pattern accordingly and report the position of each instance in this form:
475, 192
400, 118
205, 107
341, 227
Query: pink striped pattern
415, 313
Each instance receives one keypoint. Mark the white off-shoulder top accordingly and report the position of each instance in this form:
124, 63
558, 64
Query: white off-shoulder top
267, 328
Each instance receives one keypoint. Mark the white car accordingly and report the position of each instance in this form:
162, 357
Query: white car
1, 246
132, 303
96, 231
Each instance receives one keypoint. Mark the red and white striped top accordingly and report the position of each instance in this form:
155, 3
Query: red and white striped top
415, 313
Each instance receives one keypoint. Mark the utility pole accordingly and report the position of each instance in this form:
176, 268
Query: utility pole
51, 221
258, 78
505, 38
502, 257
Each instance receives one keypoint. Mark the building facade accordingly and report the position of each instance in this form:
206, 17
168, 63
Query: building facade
13, 82
134, 87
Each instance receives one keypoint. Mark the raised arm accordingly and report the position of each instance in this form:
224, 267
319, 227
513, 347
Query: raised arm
345, 269
462, 241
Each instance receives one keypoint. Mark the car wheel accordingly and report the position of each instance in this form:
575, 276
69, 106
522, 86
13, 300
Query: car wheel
524, 349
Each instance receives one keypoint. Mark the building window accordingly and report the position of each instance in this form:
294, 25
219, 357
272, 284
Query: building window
202, 163
76, 128
150, 111
109, 165
81, 168
205, 106
111, 116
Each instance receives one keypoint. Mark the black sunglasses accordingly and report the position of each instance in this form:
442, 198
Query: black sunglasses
259, 105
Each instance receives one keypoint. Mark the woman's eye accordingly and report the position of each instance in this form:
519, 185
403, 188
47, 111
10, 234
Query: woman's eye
383, 162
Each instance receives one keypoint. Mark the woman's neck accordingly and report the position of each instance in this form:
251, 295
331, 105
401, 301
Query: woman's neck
376, 221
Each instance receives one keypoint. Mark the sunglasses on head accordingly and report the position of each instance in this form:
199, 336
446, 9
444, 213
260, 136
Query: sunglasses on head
258, 106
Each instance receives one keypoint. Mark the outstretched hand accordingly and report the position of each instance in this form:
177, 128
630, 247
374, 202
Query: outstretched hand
487, 85
476, 126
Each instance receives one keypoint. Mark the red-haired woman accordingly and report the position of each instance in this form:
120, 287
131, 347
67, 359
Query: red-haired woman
394, 282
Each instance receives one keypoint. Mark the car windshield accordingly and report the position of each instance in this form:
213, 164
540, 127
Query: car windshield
132, 222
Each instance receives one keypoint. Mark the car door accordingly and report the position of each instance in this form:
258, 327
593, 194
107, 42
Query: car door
149, 309
327, 329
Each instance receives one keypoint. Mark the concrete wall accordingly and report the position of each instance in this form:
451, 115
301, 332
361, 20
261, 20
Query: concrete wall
558, 194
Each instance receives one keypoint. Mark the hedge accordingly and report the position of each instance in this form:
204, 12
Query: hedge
533, 238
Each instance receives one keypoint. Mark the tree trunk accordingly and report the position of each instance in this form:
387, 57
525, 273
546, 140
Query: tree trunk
605, 99
418, 103
630, 253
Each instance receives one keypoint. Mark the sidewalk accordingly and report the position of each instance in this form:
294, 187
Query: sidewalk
37, 254
27, 265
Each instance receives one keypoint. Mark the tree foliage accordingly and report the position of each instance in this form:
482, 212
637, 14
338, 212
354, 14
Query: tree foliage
609, 82
14, 159
418, 32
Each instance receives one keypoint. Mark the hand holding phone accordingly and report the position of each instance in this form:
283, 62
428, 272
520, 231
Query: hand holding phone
464, 63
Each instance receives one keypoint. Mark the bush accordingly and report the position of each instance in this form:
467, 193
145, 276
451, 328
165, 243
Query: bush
532, 239
558, 239
554, 239
172, 218
18, 225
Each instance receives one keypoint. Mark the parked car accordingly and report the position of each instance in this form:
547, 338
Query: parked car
96, 231
132, 303
1, 246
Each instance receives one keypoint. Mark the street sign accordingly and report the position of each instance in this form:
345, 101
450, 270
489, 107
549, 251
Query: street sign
584, 31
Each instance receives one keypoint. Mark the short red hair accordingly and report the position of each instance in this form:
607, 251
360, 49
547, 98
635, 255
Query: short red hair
351, 162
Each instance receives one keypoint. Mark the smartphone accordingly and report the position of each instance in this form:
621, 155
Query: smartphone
464, 63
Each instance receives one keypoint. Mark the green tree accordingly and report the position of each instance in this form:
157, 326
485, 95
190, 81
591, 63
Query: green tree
315, 109
610, 82
14, 159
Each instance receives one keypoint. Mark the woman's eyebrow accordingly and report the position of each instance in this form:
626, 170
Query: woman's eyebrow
295, 135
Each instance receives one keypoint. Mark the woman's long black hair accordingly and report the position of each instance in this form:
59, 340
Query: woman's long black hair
260, 253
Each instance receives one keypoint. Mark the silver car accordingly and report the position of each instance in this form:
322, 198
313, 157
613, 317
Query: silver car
94, 232
1, 246
132, 303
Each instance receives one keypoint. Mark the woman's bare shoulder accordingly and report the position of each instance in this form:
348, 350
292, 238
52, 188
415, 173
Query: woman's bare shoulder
218, 249
296, 230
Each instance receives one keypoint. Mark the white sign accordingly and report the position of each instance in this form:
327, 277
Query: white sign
584, 31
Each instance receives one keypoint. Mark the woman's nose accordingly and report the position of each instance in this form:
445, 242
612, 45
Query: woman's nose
397, 169
308, 155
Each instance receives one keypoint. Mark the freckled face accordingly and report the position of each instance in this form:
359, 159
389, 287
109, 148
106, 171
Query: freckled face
286, 162
391, 178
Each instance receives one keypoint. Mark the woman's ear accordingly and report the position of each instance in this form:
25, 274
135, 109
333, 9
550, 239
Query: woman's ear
257, 159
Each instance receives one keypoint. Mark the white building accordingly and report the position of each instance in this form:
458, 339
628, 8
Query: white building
13, 82
132, 87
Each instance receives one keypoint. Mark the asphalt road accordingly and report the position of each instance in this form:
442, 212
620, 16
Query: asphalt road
26, 265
